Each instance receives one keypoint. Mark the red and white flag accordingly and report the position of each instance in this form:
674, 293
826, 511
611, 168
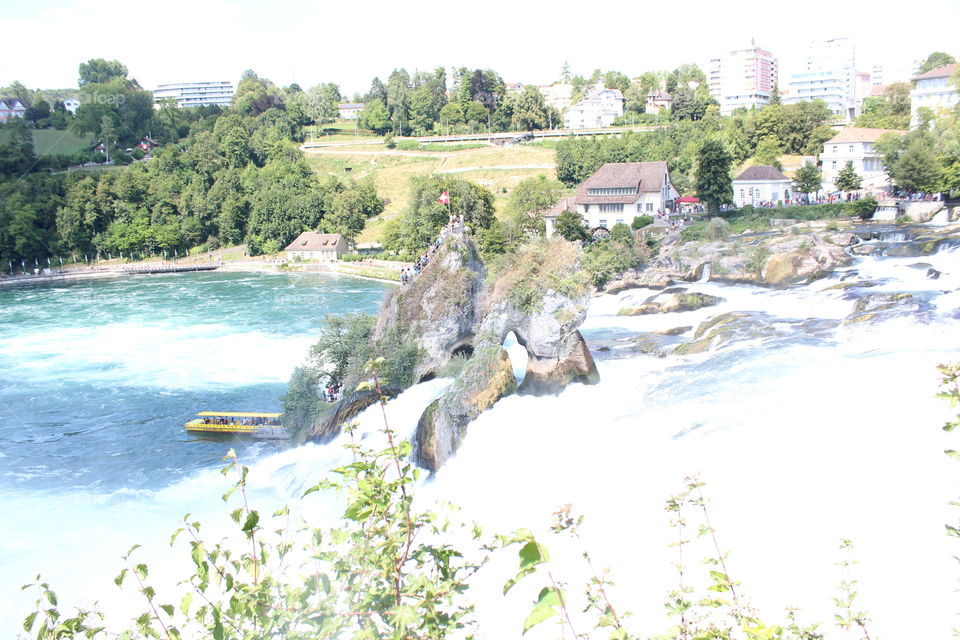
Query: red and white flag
444, 198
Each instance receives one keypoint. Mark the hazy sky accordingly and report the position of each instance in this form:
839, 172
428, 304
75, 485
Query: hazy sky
351, 42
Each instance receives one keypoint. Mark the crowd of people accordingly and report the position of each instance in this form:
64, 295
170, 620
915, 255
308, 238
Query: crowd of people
333, 391
454, 223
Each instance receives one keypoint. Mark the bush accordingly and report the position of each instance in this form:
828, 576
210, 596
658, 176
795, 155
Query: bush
621, 233
388, 140
717, 229
639, 222
352, 257
607, 258
862, 208
138, 153
121, 158
270, 246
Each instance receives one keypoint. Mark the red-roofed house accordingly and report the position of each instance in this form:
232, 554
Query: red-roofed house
934, 91
619, 192
321, 247
855, 145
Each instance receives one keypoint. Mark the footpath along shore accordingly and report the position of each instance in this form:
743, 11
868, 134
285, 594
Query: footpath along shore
373, 269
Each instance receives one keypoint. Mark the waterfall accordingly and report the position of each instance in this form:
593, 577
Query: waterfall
886, 213
706, 273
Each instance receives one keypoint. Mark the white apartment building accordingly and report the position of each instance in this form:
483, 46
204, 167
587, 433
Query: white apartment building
855, 145
933, 91
558, 95
599, 108
619, 192
829, 73
743, 78
194, 94
884, 74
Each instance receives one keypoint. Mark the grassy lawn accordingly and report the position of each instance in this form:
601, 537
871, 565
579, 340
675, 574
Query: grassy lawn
54, 142
391, 172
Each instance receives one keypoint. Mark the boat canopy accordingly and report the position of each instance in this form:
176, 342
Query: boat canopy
239, 414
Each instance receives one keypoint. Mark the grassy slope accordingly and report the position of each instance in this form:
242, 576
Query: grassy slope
52, 141
392, 171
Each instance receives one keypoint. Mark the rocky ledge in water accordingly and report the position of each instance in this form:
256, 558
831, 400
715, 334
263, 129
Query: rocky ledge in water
450, 310
773, 259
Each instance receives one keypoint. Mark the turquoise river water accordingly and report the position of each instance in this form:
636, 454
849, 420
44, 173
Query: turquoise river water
806, 428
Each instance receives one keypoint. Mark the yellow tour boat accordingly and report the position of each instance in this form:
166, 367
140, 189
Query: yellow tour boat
258, 425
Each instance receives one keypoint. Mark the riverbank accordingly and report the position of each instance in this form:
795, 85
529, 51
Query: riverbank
361, 270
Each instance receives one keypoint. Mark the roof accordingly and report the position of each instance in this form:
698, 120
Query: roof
646, 176
940, 72
239, 414
313, 241
860, 134
351, 105
565, 204
878, 90
659, 95
688, 200
762, 172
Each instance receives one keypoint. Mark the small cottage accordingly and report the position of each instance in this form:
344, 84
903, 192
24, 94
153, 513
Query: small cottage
317, 247
761, 185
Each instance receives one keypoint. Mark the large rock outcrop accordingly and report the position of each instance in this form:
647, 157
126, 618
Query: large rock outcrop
541, 297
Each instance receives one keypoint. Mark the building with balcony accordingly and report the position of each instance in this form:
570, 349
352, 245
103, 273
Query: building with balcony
934, 91
855, 145
829, 73
194, 94
743, 78
599, 108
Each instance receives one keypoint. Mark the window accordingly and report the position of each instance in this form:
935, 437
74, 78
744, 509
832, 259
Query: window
742, 195
639, 207
649, 206
850, 148
603, 223
610, 208
834, 148
833, 164
611, 191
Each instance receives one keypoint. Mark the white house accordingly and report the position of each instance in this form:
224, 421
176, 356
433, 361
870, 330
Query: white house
350, 110
657, 101
934, 91
558, 95
761, 184
599, 108
319, 247
11, 108
857, 146
619, 192
71, 105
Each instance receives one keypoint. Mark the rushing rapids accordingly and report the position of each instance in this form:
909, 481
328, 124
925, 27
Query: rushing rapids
812, 419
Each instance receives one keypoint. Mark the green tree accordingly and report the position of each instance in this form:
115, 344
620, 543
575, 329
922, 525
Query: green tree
918, 168
714, 185
768, 153
451, 114
529, 110
375, 117
848, 179
398, 101
807, 179
423, 112
569, 225
100, 71
529, 200
377, 92
936, 60
255, 95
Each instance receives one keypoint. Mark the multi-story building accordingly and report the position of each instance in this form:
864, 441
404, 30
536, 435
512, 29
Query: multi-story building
856, 146
743, 78
761, 185
619, 192
933, 91
884, 74
194, 94
829, 73
558, 95
599, 108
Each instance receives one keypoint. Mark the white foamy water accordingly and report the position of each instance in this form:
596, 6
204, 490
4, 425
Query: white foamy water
802, 440
163, 355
